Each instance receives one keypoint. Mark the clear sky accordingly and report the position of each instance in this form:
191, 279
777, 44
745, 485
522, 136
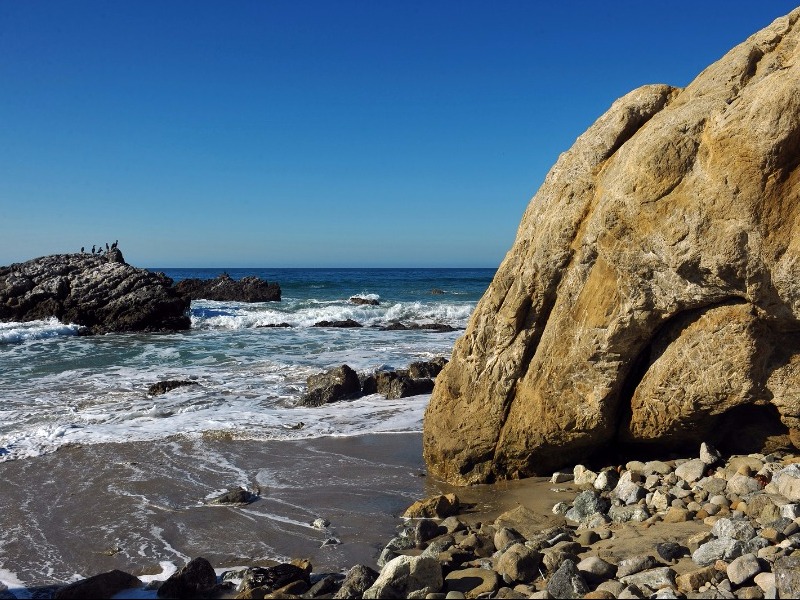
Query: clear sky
335, 133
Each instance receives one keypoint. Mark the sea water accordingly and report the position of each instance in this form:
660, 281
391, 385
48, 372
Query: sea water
59, 390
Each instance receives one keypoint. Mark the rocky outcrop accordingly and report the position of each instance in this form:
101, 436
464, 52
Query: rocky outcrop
343, 383
331, 386
226, 289
99, 292
652, 295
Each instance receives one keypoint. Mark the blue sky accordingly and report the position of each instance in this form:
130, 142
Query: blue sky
315, 133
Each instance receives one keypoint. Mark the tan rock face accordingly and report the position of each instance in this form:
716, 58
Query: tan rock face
654, 285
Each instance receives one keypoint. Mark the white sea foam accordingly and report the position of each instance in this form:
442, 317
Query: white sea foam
15, 333
306, 313
14, 584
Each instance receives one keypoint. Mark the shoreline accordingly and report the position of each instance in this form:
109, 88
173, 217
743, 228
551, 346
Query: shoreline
87, 509
366, 512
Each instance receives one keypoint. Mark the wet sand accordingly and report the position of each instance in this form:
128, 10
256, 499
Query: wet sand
84, 510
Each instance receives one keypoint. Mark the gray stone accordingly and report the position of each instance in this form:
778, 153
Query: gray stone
560, 508
790, 511
733, 529
407, 577
743, 568
624, 514
606, 480
709, 454
691, 471
713, 485
567, 582
661, 500
438, 546
453, 524
559, 477
787, 481
627, 490
787, 576
585, 504
655, 579
741, 485
583, 476
712, 551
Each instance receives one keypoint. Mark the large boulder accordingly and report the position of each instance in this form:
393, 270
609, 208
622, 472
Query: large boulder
226, 289
652, 295
97, 291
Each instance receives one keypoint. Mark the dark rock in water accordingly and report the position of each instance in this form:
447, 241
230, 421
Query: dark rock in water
365, 301
429, 368
272, 578
345, 323
369, 384
99, 292
436, 327
225, 288
437, 292
162, 387
357, 581
395, 326
235, 496
103, 585
399, 384
194, 580
340, 383
275, 325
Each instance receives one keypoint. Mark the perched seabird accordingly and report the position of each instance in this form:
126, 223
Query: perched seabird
92, 249
82, 250
106, 246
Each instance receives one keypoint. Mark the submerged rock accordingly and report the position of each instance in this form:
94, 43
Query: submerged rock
225, 288
342, 324
162, 387
101, 293
652, 295
104, 585
360, 300
235, 496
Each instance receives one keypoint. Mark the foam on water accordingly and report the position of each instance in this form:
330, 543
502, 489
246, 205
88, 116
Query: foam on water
57, 389
305, 313
15, 333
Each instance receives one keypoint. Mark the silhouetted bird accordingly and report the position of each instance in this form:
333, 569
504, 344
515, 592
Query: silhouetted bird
82, 250
92, 249
106, 246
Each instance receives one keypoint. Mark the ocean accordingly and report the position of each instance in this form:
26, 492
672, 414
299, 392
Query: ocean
75, 417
